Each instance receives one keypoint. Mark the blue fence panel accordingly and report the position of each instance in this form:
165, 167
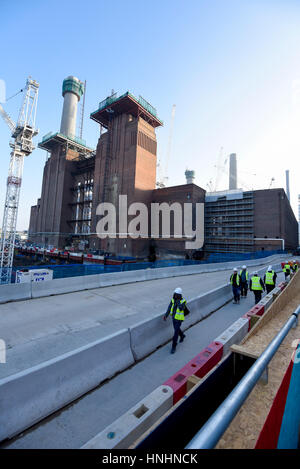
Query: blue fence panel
74, 270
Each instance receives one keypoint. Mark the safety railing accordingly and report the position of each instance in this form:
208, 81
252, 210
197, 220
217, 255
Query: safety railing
211, 432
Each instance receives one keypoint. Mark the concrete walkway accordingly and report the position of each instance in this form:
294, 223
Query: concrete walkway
83, 419
40, 329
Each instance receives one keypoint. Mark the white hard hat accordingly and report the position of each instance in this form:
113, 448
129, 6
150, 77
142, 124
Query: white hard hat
255, 272
178, 290
270, 267
244, 267
235, 269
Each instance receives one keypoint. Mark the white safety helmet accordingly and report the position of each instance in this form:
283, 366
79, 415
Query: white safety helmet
178, 290
235, 269
255, 272
244, 267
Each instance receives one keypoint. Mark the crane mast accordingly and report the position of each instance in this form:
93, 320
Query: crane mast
163, 174
21, 145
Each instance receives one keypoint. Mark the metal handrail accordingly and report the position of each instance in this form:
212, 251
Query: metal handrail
208, 436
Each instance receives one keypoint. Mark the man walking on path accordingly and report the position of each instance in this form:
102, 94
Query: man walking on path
257, 286
235, 282
178, 310
270, 279
295, 266
244, 276
287, 270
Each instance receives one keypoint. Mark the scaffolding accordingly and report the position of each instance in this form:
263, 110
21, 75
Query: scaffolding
229, 223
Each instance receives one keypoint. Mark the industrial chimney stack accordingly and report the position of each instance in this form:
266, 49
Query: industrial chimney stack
232, 172
72, 91
287, 178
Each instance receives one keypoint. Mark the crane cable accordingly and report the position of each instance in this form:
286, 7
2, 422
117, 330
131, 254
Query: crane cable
21, 91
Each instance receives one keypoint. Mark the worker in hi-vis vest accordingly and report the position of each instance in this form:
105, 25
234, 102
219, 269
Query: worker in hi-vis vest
295, 266
270, 279
235, 283
257, 286
178, 310
287, 270
244, 276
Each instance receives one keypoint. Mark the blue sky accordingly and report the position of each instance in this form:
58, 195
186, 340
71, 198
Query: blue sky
231, 67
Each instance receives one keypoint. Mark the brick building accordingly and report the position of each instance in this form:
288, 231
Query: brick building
77, 179
248, 221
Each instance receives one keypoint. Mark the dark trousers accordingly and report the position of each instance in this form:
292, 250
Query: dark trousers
244, 288
269, 288
236, 293
257, 295
177, 331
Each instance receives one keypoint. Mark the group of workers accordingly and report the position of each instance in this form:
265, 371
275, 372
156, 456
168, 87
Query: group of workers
178, 309
240, 281
290, 267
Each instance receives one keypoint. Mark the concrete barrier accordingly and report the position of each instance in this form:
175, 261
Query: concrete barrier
29, 396
203, 305
266, 301
130, 426
198, 367
234, 334
275, 292
119, 278
150, 334
71, 284
58, 286
252, 318
14, 292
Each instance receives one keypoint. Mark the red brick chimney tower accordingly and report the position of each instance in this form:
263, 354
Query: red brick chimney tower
125, 161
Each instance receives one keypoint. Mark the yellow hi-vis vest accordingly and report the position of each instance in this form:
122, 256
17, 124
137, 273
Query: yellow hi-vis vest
179, 314
286, 267
237, 279
295, 267
269, 277
256, 283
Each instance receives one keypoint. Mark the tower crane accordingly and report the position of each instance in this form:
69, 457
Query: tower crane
272, 180
170, 141
21, 144
163, 174
219, 168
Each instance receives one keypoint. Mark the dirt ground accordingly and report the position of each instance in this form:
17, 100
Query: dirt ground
247, 424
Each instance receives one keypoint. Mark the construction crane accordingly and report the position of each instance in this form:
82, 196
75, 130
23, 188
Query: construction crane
82, 111
272, 180
219, 168
163, 174
170, 141
22, 134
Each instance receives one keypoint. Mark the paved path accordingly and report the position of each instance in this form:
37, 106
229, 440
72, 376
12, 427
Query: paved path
83, 419
40, 329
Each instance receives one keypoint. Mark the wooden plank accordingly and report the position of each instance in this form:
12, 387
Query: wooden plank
253, 320
278, 304
239, 349
191, 382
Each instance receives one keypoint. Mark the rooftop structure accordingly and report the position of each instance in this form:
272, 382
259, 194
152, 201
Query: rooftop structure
51, 140
129, 104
